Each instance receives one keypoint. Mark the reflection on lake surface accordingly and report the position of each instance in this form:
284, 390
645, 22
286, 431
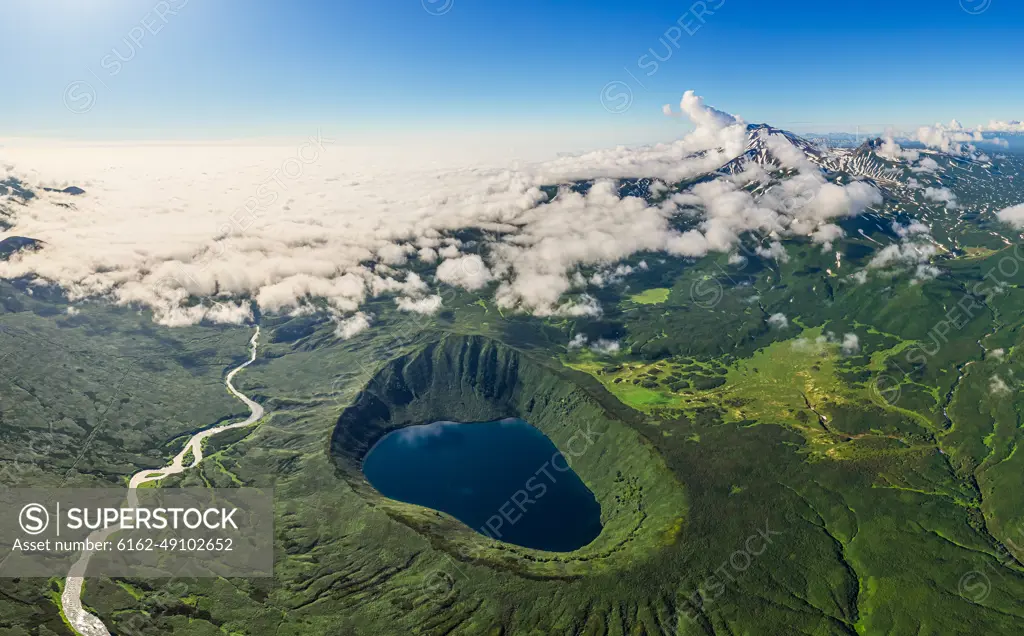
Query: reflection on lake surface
503, 479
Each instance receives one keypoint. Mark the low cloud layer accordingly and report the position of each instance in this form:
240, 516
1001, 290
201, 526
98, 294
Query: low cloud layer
1013, 126
955, 139
162, 226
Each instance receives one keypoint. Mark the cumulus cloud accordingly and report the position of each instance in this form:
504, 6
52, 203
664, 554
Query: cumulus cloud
353, 325
952, 139
997, 385
850, 344
601, 346
607, 276
914, 227
468, 272
449, 251
221, 312
926, 165
605, 347
941, 195
702, 115
392, 254
1013, 126
1013, 215
689, 244
893, 152
577, 342
818, 343
585, 305
428, 305
904, 252
925, 272
778, 321
774, 251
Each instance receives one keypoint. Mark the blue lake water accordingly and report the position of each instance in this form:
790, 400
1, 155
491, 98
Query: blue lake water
503, 479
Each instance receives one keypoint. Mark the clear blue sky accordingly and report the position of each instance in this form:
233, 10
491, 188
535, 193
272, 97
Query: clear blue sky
380, 68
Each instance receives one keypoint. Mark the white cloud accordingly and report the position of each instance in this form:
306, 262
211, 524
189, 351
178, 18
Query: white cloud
354, 324
778, 321
927, 165
690, 244
941, 195
427, 305
914, 227
468, 272
601, 346
605, 347
850, 344
774, 251
608, 276
1013, 215
1004, 126
586, 305
904, 252
826, 234
953, 139
997, 385
392, 254
913, 252
925, 272
893, 152
701, 115
449, 252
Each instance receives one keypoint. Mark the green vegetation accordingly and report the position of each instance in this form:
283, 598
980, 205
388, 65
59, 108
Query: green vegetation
794, 383
474, 379
651, 297
189, 458
755, 477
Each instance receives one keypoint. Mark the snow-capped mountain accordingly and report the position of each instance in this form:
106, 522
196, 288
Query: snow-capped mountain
763, 145
880, 161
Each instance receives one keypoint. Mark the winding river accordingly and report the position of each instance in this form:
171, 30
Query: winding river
82, 621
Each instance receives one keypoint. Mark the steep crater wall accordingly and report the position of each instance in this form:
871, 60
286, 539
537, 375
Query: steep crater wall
476, 379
